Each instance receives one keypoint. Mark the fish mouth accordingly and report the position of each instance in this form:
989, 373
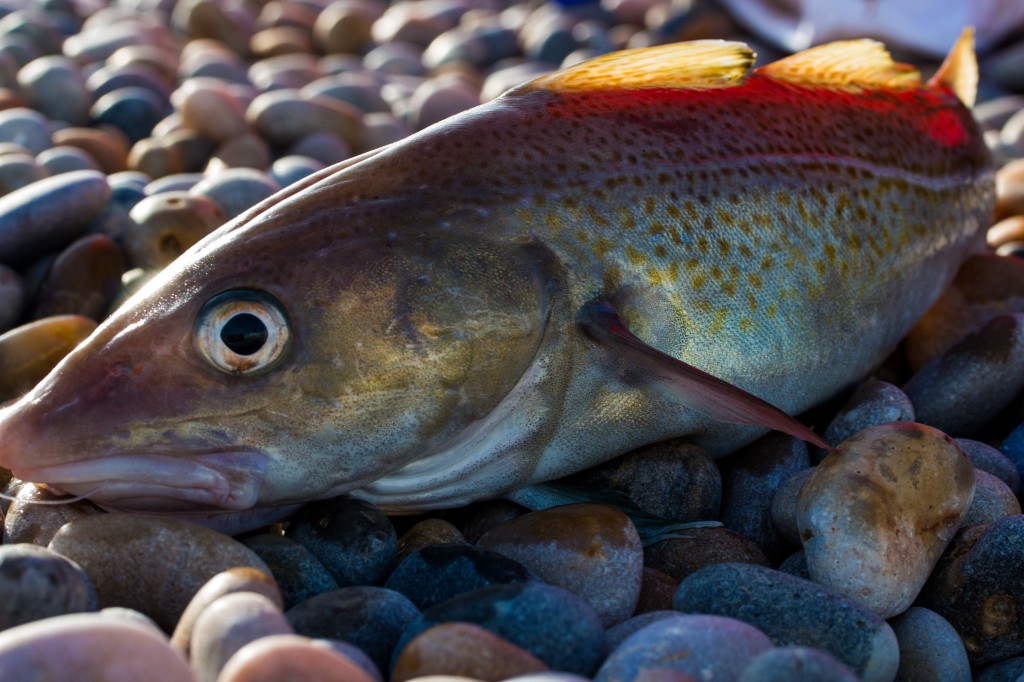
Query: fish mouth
209, 482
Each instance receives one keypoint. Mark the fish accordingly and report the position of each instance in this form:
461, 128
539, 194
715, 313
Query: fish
657, 243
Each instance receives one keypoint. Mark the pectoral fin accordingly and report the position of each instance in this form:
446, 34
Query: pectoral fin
694, 388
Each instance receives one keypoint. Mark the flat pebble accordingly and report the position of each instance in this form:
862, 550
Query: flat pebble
36, 583
371, 618
292, 168
993, 500
29, 352
591, 550
87, 646
797, 664
152, 564
291, 657
795, 612
465, 650
55, 86
298, 573
704, 646
874, 402
83, 280
876, 514
64, 159
690, 549
19, 169
323, 146
26, 127
235, 190
436, 573
284, 116
930, 649
990, 459
228, 624
164, 225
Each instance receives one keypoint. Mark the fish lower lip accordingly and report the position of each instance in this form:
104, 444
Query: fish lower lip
144, 482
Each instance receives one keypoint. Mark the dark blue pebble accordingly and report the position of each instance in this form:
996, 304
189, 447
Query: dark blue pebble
107, 80
134, 110
371, 618
1013, 447
437, 573
298, 573
796, 564
1010, 670
553, 624
36, 583
930, 649
794, 612
799, 664
620, 632
352, 538
988, 458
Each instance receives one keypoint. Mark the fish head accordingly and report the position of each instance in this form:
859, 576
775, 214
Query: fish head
291, 357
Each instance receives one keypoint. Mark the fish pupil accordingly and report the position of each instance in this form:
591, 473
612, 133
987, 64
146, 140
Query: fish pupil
244, 334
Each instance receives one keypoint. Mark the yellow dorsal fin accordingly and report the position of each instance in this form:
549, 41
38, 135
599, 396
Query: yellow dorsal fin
847, 63
960, 70
696, 64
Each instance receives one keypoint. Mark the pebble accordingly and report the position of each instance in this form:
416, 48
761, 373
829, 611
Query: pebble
930, 649
436, 573
26, 127
29, 522
551, 623
289, 169
153, 564
591, 550
89, 646
1009, 179
209, 108
620, 632
992, 501
242, 151
990, 459
430, 531
284, 116
465, 650
235, 190
164, 225
61, 159
292, 657
133, 110
83, 280
29, 352
12, 297
691, 549
19, 169
876, 514
298, 573
703, 646
228, 624
55, 87
798, 664
1009, 670
874, 402
793, 611
36, 583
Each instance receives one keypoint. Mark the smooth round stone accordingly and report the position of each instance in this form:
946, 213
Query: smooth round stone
84, 280
228, 624
352, 538
382, 129
235, 190
323, 146
656, 591
280, 40
395, 59
590, 549
231, 25
706, 647
100, 41
12, 297
193, 150
285, 72
292, 168
55, 86
299, 574
171, 183
796, 564
987, 458
208, 107
19, 170
464, 650
29, 352
967, 386
34, 518
876, 514
36, 583
344, 27
428, 532
132, 110
284, 116
38, 26
796, 664
230, 581
64, 159
1010, 670
551, 623
371, 618
670, 480
620, 632
244, 151
417, 22
49, 214
152, 564
155, 157
481, 45
439, 98
26, 127
87, 646
1009, 178
993, 500
690, 549
795, 612
874, 402
994, 113
163, 226
978, 586
109, 78
434, 574
291, 657
548, 37
1006, 231
751, 477
480, 517
930, 649
360, 90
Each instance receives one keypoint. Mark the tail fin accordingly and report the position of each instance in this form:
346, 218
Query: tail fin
959, 72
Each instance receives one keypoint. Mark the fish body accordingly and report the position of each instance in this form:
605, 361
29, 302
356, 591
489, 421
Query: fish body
531, 288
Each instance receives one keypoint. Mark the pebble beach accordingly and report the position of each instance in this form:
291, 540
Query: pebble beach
130, 130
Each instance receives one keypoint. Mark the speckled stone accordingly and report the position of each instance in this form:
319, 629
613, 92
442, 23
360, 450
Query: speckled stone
28, 522
164, 225
620, 632
431, 531
549, 622
235, 190
987, 458
930, 649
371, 618
480, 517
291, 657
1010, 670
589, 549
298, 573
694, 548
151, 564
29, 352
83, 280
228, 624
656, 591
465, 650
874, 402
795, 612
88, 646
876, 514
978, 586
434, 574
751, 478
993, 500
36, 583
706, 647
352, 538
796, 664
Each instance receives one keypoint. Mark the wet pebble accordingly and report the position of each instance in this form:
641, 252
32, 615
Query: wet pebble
793, 611
464, 650
796, 664
292, 657
228, 624
152, 564
690, 549
930, 649
298, 573
591, 550
29, 352
36, 583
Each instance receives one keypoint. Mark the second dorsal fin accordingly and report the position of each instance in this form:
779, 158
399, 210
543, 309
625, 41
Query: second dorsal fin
696, 64
847, 63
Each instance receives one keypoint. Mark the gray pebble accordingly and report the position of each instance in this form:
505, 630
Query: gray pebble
990, 459
796, 664
993, 500
874, 402
930, 649
36, 583
235, 190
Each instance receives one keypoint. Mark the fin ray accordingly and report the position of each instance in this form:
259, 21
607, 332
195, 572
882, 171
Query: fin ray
959, 72
846, 63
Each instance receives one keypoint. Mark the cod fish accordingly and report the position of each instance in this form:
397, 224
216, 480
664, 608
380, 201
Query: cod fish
656, 243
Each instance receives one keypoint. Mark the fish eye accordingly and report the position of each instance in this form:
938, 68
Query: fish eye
242, 331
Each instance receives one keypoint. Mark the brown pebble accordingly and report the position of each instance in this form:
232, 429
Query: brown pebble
29, 352
284, 116
695, 548
426, 533
228, 624
279, 40
291, 657
1005, 231
38, 523
109, 149
656, 591
210, 109
83, 280
193, 149
244, 151
344, 26
1010, 189
229, 24
465, 650
164, 225
154, 157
